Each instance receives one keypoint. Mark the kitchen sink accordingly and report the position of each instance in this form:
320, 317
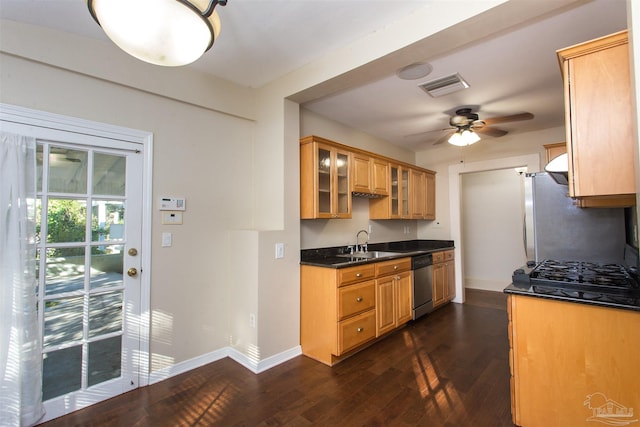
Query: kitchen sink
370, 255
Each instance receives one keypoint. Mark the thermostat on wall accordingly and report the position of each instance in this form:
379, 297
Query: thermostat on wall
172, 204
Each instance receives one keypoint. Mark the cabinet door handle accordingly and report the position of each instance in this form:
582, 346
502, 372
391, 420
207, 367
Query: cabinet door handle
360, 329
359, 299
358, 274
395, 267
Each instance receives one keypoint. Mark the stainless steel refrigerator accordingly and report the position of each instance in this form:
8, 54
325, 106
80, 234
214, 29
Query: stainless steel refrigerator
555, 228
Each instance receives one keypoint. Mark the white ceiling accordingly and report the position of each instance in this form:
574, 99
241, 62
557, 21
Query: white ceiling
515, 71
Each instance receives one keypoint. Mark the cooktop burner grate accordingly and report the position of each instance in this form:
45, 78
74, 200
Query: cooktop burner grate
600, 276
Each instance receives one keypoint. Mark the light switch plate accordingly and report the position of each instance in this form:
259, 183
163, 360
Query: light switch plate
279, 250
166, 240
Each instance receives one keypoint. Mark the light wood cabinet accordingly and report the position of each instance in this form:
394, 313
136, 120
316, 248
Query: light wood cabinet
325, 190
444, 281
418, 191
393, 293
331, 172
430, 198
411, 195
570, 362
339, 308
599, 121
370, 175
551, 151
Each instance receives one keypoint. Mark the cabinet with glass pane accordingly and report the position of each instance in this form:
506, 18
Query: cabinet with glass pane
324, 180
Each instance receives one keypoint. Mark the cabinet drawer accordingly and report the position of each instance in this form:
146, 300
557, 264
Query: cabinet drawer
393, 266
356, 330
356, 274
438, 257
356, 298
449, 255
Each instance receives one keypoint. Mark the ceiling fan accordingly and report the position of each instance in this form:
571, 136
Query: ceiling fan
467, 124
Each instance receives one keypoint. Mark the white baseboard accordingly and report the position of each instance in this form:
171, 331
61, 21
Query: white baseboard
235, 355
264, 364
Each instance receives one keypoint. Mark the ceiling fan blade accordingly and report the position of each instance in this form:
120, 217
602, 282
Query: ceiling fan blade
512, 118
495, 132
443, 138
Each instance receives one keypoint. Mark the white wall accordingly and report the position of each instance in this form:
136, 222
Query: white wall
189, 300
492, 215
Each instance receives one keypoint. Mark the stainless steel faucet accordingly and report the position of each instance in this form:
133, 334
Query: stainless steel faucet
362, 248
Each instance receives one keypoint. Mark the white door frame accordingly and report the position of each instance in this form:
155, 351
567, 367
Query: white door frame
531, 161
12, 116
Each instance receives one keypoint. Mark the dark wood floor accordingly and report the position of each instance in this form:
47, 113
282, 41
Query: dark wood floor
449, 368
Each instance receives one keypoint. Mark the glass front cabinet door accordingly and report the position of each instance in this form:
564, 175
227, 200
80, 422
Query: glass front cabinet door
324, 182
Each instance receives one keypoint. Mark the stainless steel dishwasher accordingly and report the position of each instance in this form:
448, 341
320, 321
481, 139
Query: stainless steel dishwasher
422, 266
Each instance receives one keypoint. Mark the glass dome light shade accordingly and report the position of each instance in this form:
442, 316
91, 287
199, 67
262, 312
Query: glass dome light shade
464, 138
161, 32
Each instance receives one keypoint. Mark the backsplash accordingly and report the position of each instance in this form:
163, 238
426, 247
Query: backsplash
318, 233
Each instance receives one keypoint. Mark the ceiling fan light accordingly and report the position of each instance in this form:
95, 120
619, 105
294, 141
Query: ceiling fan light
161, 32
463, 138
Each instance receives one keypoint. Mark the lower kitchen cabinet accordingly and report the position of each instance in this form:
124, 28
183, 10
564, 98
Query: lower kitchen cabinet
393, 298
444, 280
572, 364
341, 310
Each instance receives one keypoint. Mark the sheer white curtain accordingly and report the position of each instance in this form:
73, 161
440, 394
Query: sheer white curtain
20, 347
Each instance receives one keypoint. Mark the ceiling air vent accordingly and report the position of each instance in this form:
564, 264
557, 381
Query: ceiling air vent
444, 85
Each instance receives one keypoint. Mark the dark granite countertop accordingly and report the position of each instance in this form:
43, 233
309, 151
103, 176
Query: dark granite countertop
327, 257
632, 302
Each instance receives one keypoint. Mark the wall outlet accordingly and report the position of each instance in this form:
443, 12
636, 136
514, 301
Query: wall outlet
252, 320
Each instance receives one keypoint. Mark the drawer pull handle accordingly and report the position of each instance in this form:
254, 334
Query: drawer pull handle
358, 274
395, 267
360, 329
359, 299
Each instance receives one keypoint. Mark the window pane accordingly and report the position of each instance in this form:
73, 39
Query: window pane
67, 170
65, 270
62, 321
105, 313
104, 360
61, 372
66, 220
106, 266
108, 174
107, 220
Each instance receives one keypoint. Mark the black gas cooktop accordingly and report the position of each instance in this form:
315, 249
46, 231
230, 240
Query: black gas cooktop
603, 284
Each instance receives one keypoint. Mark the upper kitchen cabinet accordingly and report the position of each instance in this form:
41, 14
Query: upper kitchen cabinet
430, 197
418, 190
331, 173
369, 175
599, 121
325, 190
411, 195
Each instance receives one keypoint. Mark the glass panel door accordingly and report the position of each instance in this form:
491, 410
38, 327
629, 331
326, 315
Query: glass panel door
343, 194
404, 183
324, 181
395, 194
89, 213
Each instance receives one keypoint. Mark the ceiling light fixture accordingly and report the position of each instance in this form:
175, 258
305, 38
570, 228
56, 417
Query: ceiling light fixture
161, 32
464, 137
